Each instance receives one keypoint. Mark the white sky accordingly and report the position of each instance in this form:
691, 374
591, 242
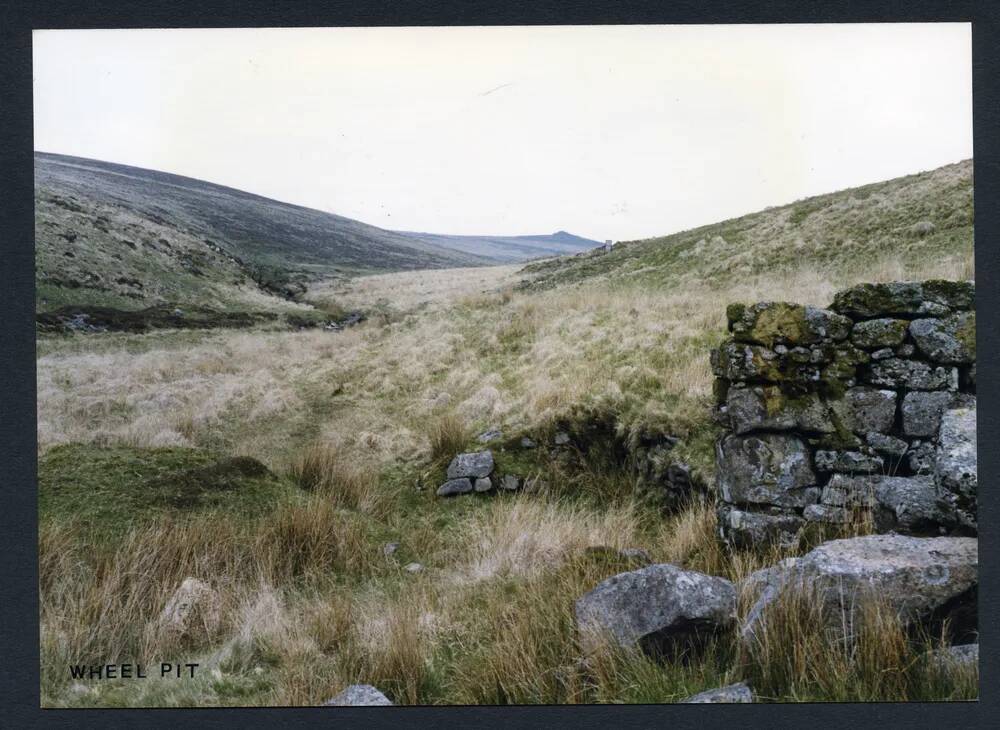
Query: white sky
615, 132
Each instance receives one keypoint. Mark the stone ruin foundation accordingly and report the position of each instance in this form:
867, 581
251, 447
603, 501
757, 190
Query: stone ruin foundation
869, 404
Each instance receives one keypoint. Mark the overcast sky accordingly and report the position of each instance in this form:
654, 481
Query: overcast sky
609, 132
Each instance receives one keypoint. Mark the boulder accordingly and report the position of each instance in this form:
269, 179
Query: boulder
472, 465
491, 435
768, 408
948, 340
482, 484
863, 410
906, 298
455, 486
924, 580
193, 608
771, 323
732, 694
761, 468
358, 695
912, 375
956, 469
876, 333
660, 609
922, 411
744, 528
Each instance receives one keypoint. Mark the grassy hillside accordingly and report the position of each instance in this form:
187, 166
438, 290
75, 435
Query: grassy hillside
912, 218
128, 237
364, 422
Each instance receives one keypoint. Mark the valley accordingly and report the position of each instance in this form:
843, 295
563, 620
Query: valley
293, 470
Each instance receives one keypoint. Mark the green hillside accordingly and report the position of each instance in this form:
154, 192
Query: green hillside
893, 223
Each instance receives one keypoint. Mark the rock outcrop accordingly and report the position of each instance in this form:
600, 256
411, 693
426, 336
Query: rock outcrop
867, 405
660, 609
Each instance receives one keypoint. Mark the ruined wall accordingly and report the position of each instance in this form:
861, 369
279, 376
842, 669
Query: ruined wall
830, 411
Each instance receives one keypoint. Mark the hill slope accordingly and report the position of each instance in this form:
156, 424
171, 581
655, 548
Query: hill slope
127, 237
888, 223
109, 233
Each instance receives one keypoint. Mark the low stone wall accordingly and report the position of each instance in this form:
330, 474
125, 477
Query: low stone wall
828, 411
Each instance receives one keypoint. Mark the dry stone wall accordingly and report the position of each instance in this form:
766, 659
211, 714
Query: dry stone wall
830, 411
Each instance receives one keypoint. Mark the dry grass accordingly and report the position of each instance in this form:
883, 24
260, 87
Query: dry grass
343, 481
802, 652
357, 417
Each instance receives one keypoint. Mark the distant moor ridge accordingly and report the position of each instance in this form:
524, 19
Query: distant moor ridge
129, 238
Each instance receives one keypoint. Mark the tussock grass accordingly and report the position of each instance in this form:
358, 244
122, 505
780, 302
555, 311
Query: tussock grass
447, 435
365, 420
342, 480
796, 654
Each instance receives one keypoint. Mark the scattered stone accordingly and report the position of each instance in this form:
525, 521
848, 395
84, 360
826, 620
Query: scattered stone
483, 484
487, 436
922, 411
414, 568
527, 443
359, 695
390, 548
510, 482
193, 606
923, 580
661, 609
948, 340
732, 694
561, 438
472, 465
455, 486
876, 333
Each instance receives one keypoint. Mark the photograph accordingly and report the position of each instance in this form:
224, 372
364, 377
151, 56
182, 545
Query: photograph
505, 365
